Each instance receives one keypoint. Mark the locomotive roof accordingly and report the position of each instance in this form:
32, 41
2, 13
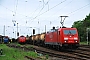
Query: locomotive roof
52, 30
66, 28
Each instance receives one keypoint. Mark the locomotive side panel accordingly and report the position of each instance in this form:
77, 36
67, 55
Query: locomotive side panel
60, 37
51, 38
55, 38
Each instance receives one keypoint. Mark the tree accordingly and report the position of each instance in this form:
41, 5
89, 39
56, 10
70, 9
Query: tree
81, 26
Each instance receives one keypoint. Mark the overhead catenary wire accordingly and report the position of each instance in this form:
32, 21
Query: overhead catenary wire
13, 18
38, 8
14, 11
14, 15
42, 8
35, 11
70, 13
39, 14
49, 9
61, 9
7, 8
16, 7
78, 9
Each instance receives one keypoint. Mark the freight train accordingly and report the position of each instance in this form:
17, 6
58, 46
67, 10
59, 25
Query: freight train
56, 38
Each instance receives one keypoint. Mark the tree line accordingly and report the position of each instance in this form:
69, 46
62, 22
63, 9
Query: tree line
82, 26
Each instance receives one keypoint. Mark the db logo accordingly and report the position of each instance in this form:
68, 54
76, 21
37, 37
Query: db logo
51, 36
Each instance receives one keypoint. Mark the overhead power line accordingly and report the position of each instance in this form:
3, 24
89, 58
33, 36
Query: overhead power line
42, 7
60, 9
16, 7
78, 9
14, 11
49, 9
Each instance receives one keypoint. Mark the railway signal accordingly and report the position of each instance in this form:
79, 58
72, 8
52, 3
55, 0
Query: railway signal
33, 31
88, 32
17, 33
33, 35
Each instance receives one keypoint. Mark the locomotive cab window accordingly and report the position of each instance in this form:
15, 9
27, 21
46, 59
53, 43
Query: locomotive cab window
69, 31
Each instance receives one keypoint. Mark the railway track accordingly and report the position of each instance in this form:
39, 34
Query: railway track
69, 55
84, 49
78, 54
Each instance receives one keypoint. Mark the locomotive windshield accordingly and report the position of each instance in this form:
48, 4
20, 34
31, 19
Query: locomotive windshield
69, 31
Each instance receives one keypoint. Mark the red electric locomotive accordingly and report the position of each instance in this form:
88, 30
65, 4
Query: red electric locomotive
62, 37
22, 39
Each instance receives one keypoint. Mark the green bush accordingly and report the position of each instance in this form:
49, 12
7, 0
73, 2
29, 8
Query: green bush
15, 54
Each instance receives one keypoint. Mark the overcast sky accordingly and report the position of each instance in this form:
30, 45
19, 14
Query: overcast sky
38, 13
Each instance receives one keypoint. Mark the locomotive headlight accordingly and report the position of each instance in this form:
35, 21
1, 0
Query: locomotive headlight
75, 41
65, 41
65, 38
75, 38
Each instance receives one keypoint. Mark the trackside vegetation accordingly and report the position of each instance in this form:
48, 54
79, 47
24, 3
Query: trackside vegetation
15, 54
83, 27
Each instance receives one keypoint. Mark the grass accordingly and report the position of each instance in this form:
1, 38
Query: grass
15, 54
84, 43
29, 46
